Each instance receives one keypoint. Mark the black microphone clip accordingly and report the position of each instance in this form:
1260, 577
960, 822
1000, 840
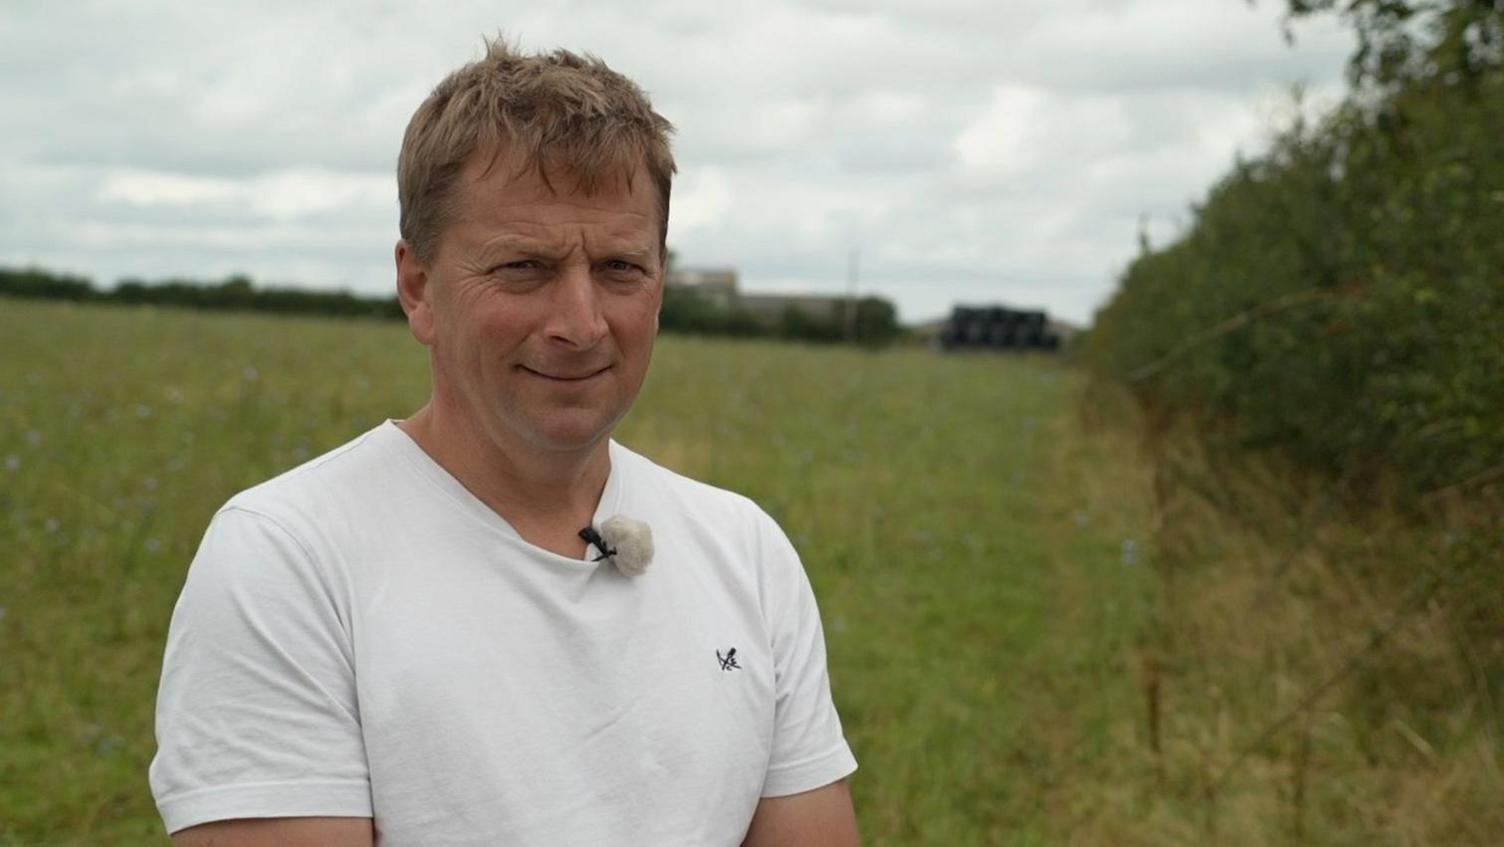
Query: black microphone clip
593, 537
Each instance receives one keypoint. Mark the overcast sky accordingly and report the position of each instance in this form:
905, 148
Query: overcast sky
969, 151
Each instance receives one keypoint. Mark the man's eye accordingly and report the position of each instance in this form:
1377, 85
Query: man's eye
519, 265
623, 266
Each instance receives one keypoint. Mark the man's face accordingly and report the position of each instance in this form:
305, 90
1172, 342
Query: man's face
540, 305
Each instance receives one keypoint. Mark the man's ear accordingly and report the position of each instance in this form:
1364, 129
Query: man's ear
414, 292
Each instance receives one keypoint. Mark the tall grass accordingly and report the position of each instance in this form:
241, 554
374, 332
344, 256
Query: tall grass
965, 539
1038, 633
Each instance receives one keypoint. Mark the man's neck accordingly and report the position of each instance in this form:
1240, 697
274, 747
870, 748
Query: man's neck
547, 496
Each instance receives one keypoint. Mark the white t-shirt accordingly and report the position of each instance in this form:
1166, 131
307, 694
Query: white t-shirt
361, 636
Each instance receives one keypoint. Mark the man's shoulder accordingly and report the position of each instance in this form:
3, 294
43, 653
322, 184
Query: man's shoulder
671, 483
346, 473
718, 509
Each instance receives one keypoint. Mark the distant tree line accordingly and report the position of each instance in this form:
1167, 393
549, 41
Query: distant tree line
1342, 296
234, 293
875, 321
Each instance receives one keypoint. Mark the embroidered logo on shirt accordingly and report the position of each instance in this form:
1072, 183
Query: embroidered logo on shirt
728, 661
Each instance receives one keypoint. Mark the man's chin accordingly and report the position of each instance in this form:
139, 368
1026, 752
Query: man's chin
566, 435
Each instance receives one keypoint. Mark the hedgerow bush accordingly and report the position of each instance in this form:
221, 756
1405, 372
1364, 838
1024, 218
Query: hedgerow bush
1342, 295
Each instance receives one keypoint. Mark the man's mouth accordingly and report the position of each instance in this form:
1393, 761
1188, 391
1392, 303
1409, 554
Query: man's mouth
567, 376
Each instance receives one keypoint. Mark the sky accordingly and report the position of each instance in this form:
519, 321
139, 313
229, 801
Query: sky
951, 151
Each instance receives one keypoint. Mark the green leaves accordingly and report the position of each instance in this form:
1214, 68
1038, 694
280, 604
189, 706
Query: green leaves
1386, 214
1405, 41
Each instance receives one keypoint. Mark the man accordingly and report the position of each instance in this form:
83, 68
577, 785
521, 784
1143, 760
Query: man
407, 642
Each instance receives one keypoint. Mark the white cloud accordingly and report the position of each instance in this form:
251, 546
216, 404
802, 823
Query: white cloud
702, 197
973, 150
281, 195
144, 188
886, 108
1004, 139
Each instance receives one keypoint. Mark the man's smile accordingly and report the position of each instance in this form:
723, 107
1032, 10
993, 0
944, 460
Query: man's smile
567, 375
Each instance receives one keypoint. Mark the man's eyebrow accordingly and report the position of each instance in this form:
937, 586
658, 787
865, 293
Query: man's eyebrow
527, 244
632, 251
515, 242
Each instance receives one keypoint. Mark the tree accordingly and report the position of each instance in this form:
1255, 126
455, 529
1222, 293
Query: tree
1455, 41
876, 321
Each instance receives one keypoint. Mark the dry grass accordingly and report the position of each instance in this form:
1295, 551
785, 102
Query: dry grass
1322, 673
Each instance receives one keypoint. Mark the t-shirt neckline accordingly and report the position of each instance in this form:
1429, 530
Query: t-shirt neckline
392, 435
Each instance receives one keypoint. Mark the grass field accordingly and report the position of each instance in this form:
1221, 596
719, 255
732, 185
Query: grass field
973, 588
985, 556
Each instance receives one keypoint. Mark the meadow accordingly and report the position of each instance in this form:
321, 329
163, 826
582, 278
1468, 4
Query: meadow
984, 534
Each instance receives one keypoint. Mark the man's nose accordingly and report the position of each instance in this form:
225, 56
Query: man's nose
575, 316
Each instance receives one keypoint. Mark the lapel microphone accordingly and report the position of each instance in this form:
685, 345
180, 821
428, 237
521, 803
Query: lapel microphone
592, 536
627, 543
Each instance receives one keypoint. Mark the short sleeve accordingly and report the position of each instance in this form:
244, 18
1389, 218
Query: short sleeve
809, 749
257, 713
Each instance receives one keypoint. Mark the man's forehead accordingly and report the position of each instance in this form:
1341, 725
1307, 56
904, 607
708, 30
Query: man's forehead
488, 194
555, 176
547, 240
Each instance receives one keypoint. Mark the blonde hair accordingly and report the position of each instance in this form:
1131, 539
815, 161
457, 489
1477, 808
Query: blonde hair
558, 112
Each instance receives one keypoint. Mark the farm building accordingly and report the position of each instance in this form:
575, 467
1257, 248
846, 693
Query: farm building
707, 300
715, 285
718, 286
770, 308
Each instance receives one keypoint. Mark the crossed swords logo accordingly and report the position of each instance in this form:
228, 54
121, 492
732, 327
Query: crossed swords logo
728, 661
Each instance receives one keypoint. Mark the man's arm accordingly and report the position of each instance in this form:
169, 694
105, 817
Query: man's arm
823, 817
279, 832
257, 715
